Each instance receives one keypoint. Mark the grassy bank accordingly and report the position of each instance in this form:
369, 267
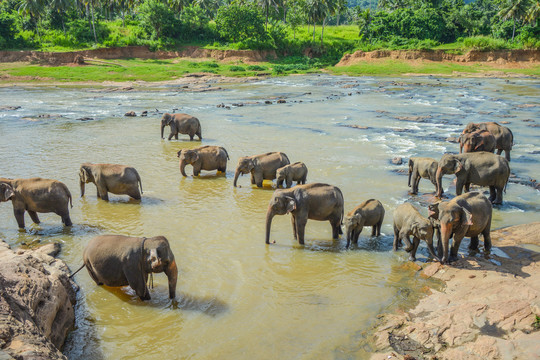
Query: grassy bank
161, 70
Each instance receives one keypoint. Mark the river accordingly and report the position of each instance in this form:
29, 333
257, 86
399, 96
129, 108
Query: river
238, 298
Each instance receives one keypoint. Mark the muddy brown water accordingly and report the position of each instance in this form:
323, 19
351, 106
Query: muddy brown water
237, 297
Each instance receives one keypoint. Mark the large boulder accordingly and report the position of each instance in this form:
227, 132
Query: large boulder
37, 300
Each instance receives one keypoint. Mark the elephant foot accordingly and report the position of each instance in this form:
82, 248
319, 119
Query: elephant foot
412, 258
409, 248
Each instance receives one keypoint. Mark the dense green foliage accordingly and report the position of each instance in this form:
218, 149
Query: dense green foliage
292, 27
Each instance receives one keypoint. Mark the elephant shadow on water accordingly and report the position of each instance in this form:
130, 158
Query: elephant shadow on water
208, 305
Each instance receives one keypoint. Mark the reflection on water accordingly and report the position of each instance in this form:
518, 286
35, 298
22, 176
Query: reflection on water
236, 296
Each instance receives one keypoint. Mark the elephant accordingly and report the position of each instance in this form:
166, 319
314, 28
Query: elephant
117, 260
368, 213
181, 124
480, 168
117, 179
36, 195
422, 167
262, 167
408, 221
204, 158
292, 172
312, 201
479, 140
504, 139
465, 215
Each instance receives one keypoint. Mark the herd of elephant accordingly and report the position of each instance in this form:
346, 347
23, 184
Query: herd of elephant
116, 260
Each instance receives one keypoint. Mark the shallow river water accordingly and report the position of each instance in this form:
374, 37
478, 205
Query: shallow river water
238, 298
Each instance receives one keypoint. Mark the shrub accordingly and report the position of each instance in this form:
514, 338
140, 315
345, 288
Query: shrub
257, 68
240, 22
82, 31
484, 43
157, 19
236, 68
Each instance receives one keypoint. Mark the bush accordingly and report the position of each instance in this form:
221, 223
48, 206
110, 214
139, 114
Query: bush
236, 68
484, 43
257, 68
158, 20
82, 31
240, 22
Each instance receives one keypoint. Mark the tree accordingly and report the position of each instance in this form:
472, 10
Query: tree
296, 15
157, 18
364, 22
33, 8
238, 22
515, 10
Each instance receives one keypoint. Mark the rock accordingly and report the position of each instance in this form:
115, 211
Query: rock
7, 108
397, 160
37, 301
281, 101
431, 270
144, 113
130, 113
360, 127
79, 60
85, 119
453, 139
268, 102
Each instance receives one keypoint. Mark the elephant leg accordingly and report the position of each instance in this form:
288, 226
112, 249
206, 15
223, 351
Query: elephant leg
199, 135
396, 238
336, 227
498, 195
459, 186
258, 179
137, 281
300, 228
379, 226
487, 241
289, 183
33, 216
492, 193
499, 151
103, 194
455, 247
19, 216
135, 193
65, 217
416, 242
439, 244
293, 222
404, 235
507, 155
171, 136
374, 230
415, 182
473, 246
467, 187
190, 137
252, 179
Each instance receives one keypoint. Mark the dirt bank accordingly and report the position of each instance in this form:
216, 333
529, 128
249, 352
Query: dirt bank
36, 303
139, 52
488, 310
521, 58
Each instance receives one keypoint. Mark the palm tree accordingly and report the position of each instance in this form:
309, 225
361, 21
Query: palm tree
34, 9
515, 10
534, 11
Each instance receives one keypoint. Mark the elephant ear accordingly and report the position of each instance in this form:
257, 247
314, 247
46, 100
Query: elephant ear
356, 219
6, 192
467, 217
458, 166
480, 143
196, 156
291, 204
250, 164
82, 174
433, 211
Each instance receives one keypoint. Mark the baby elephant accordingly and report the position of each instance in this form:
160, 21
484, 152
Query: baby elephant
292, 172
408, 221
116, 260
117, 179
368, 213
203, 158
181, 124
422, 167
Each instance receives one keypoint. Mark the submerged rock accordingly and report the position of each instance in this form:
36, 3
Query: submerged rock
130, 113
37, 301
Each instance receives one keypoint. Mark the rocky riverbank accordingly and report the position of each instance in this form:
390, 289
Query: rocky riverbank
489, 309
37, 301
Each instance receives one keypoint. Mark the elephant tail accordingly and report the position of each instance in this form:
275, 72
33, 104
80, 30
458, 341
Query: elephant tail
411, 165
226, 153
286, 157
139, 180
79, 269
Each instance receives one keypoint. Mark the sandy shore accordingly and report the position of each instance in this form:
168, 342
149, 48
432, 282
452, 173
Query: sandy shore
489, 309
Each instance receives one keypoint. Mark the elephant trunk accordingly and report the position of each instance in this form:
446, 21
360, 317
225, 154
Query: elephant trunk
172, 274
349, 235
236, 174
438, 177
446, 232
183, 167
82, 188
269, 216
162, 128
431, 249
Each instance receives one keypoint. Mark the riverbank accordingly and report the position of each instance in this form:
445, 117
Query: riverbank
489, 309
138, 64
37, 300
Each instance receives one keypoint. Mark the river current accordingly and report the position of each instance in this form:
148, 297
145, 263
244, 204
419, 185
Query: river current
238, 298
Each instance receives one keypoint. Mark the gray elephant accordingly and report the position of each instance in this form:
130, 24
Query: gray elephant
480, 168
368, 213
408, 221
262, 167
113, 178
292, 172
465, 215
422, 167
203, 158
116, 260
312, 201
181, 124
504, 139
36, 195
479, 140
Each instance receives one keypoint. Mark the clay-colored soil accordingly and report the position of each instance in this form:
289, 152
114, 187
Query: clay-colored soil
139, 52
488, 310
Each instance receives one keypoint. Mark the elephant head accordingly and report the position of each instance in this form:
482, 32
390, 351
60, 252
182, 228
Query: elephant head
452, 218
281, 175
187, 157
159, 258
449, 164
6, 192
351, 224
280, 204
245, 165
85, 176
165, 120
